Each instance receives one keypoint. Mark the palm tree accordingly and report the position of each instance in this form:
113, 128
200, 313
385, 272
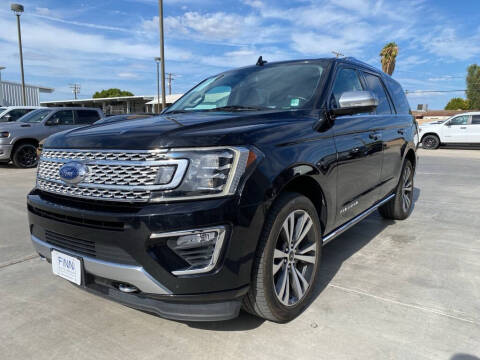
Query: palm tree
388, 56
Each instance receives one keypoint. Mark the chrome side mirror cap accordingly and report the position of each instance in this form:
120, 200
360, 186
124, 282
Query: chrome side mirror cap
355, 102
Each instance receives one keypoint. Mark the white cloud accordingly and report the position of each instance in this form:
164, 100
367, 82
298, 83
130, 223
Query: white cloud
447, 43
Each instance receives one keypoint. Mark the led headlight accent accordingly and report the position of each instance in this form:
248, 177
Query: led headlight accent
211, 172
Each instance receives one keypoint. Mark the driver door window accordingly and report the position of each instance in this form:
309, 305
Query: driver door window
63, 117
347, 80
459, 120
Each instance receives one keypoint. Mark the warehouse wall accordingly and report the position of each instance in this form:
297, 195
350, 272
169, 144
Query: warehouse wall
11, 94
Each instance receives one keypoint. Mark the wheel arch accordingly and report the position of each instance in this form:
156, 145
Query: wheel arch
303, 179
431, 133
22, 141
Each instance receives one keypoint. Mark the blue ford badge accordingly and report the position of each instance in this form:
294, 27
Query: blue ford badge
73, 172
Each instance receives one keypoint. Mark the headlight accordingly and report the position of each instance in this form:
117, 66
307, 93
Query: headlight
4, 134
211, 172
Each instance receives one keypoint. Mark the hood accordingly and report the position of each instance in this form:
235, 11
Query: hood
181, 130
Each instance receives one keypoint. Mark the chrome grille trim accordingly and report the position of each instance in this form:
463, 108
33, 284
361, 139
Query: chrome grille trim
111, 176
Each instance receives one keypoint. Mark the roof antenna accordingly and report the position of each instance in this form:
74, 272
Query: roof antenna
261, 62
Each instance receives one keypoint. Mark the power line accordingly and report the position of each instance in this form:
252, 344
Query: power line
75, 89
170, 78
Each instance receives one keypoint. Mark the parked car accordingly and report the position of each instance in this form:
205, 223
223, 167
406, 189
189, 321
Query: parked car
123, 117
13, 113
19, 140
462, 129
227, 198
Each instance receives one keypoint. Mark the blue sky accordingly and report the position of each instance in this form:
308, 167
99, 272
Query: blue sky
112, 43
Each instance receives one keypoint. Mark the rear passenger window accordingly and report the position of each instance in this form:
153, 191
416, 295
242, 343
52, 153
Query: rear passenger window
347, 80
86, 117
476, 120
374, 84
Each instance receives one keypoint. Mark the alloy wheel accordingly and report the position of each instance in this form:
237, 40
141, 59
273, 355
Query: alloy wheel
294, 258
27, 156
407, 188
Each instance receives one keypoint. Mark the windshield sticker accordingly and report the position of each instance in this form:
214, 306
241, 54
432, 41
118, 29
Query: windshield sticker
294, 102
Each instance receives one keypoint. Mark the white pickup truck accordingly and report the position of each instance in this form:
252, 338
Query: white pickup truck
463, 129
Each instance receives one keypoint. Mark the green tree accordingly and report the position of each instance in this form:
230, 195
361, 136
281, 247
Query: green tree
473, 86
388, 57
458, 104
109, 93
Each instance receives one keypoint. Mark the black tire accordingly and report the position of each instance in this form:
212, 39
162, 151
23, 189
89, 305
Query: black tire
400, 207
25, 156
263, 299
430, 142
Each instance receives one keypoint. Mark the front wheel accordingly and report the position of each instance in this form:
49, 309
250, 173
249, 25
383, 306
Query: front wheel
287, 262
430, 142
400, 207
25, 156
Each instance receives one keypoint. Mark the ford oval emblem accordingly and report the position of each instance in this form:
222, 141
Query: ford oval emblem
73, 172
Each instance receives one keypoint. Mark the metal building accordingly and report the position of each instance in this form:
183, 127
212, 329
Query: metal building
11, 94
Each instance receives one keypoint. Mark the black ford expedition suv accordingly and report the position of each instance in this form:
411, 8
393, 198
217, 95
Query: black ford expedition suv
226, 199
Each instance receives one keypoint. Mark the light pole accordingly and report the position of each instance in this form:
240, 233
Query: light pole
1, 87
158, 60
18, 10
162, 51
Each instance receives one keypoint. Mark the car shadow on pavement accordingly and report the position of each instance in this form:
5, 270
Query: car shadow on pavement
334, 254
464, 357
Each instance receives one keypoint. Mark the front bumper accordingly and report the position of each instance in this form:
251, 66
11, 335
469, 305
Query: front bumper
123, 236
5, 152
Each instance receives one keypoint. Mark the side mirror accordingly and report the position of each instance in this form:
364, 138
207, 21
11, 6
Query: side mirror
355, 102
8, 117
52, 122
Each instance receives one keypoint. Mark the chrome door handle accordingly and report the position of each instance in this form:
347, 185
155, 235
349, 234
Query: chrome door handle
374, 136
463, 127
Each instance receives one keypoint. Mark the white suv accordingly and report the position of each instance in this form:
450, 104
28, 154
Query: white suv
460, 129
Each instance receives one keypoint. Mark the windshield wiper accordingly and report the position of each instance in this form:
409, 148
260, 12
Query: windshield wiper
237, 108
176, 112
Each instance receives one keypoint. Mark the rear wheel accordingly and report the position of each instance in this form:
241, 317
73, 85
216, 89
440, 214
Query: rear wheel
287, 263
400, 207
430, 142
25, 156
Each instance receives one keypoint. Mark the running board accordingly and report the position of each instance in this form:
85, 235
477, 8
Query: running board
355, 220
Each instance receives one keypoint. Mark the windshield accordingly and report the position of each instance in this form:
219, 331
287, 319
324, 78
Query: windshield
35, 116
270, 87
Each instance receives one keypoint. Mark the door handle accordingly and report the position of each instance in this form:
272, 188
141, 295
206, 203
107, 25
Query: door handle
463, 127
374, 136
401, 131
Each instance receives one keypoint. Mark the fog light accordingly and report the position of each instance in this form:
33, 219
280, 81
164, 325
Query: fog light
200, 249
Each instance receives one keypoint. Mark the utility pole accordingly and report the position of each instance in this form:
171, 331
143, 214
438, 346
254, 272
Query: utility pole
18, 10
75, 89
170, 78
162, 51
1, 87
337, 54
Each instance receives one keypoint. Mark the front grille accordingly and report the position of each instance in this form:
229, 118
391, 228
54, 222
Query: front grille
156, 155
89, 248
128, 176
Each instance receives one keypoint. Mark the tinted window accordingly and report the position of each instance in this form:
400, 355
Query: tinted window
17, 114
398, 96
459, 120
476, 120
347, 80
85, 117
63, 117
374, 84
